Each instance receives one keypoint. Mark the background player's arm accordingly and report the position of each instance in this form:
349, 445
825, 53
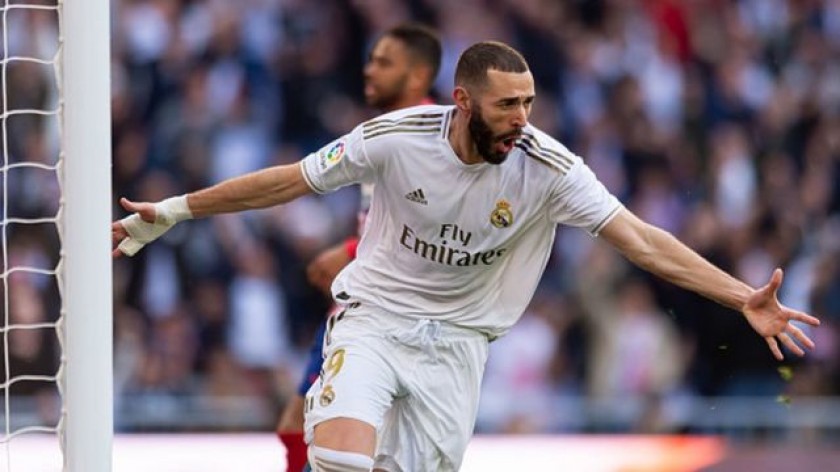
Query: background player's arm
660, 253
322, 271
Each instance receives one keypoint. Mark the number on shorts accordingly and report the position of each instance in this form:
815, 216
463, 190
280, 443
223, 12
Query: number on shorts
333, 364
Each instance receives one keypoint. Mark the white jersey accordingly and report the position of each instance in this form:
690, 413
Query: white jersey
445, 240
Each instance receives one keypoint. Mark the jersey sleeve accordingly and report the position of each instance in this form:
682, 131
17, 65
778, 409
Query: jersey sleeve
582, 201
339, 163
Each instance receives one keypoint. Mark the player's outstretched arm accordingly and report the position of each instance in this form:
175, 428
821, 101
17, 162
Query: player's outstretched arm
261, 189
660, 253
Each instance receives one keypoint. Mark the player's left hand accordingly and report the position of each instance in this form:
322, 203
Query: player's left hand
773, 321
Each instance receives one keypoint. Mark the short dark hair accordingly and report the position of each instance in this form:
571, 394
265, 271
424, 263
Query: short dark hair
422, 42
474, 63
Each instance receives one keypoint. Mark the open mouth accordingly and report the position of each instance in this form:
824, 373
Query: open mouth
506, 143
509, 141
510, 138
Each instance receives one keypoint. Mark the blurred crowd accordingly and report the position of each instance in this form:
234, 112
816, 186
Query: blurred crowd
718, 120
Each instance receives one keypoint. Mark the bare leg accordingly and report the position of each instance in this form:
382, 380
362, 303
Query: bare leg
291, 419
346, 434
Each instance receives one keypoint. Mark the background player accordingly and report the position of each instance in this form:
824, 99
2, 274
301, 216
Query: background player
400, 71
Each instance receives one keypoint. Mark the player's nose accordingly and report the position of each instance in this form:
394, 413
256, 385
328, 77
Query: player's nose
520, 117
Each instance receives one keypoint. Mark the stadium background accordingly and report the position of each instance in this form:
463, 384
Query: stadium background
718, 120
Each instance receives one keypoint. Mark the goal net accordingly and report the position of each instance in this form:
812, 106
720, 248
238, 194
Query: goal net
55, 325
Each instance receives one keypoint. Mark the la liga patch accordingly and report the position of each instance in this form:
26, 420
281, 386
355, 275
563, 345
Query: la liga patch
332, 155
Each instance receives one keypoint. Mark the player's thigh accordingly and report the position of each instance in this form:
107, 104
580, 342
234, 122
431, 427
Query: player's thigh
403, 446
429, 429
345, 434
355, 389
446, 411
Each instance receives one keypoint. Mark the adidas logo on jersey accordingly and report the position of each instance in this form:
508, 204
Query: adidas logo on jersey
417, 196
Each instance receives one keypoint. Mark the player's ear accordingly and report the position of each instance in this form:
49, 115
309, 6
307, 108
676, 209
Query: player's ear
419, 78
461, 98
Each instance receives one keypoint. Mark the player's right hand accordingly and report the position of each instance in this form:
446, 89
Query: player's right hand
123, 232
148, 222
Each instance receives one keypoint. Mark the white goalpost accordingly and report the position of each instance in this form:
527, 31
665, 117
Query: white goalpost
88, 383
75, 120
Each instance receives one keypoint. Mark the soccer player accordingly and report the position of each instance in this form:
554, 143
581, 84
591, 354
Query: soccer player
458, 234
400, 71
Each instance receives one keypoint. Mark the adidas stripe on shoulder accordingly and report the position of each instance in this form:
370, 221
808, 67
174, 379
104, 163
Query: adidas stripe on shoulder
419, 123
553, 158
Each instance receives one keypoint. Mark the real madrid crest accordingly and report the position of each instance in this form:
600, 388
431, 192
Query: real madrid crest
501, 216
327, 396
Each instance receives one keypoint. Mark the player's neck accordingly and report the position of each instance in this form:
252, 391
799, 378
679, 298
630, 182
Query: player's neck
409, 101
461, 140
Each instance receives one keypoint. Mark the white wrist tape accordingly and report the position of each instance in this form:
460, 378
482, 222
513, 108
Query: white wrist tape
167, 213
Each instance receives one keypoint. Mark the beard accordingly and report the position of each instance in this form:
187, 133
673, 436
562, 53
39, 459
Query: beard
385, 98
485, 139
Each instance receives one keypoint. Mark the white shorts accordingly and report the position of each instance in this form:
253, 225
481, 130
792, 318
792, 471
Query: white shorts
416, 381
